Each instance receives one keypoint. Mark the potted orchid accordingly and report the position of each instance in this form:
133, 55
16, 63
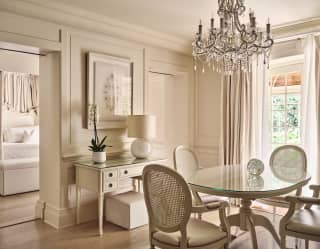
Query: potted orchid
97, 146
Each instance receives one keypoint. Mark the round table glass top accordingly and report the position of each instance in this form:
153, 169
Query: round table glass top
235, 181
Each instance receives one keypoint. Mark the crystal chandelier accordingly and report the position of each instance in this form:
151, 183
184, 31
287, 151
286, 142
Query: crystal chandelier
234, 45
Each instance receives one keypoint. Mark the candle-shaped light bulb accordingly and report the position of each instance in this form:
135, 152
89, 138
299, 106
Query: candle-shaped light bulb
221, 23
253, 22
268, 28
200, 28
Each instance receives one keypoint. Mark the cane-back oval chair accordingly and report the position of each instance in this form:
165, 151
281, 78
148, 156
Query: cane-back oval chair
186, 163
169, 204
288, 163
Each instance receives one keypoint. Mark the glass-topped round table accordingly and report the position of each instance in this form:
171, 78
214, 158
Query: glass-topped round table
235, 181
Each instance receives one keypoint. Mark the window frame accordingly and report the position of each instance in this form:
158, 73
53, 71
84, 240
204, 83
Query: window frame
285, 66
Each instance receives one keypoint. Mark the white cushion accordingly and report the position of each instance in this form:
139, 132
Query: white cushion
31, 137
16, 134
127, 210
199, 233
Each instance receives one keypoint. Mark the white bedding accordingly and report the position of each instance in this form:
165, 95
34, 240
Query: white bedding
20, 150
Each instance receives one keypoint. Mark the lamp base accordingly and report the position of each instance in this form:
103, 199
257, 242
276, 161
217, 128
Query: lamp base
141, 148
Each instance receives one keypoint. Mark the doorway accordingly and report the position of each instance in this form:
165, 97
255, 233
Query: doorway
20, 133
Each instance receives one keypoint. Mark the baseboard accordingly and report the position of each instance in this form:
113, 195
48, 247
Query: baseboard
66, 217
59, 218
40, 207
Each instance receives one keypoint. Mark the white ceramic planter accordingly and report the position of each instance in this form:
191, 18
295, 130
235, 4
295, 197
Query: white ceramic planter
99, 157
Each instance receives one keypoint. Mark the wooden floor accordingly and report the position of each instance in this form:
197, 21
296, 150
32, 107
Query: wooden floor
17, 208
37, 235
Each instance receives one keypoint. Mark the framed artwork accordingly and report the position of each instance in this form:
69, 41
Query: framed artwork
110, 88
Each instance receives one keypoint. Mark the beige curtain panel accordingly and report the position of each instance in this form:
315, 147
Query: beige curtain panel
20, 91
236, 115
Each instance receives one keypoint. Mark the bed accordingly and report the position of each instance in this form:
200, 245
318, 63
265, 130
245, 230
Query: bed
19, 167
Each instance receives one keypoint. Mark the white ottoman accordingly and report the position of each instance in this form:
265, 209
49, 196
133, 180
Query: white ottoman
19, 175
127, 210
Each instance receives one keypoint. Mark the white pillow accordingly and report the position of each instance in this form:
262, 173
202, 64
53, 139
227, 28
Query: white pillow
31, 137
16, 135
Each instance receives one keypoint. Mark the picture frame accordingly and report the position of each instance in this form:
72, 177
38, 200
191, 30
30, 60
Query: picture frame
109, 86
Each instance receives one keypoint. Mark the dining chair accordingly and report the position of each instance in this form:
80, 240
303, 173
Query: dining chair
169, 204
302, 223
289, 163
186, 163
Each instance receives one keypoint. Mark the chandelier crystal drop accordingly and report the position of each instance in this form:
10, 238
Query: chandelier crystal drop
233, 45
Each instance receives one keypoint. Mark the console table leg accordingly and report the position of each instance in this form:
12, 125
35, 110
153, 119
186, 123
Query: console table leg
101, 199
78, 204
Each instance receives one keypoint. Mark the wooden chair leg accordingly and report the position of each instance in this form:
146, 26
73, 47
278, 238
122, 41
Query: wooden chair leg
283, 242
306, 245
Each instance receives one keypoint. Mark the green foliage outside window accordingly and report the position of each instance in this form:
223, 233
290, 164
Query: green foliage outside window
285, 119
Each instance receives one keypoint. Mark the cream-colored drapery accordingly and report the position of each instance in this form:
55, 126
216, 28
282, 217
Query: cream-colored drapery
310, 106
20, 92
236, 118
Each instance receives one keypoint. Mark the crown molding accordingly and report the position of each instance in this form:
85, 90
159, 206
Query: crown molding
296, 28
65, 15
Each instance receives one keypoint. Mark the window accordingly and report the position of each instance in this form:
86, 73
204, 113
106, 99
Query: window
285, 101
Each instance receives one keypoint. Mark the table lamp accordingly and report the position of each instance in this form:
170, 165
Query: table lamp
143, 128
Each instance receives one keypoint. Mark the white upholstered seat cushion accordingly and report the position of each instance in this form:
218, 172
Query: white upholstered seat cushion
306, 221
199, 233
206, 199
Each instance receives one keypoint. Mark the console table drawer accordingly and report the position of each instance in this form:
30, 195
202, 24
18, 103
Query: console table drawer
125, 183
110, 186
110, 174
132, 171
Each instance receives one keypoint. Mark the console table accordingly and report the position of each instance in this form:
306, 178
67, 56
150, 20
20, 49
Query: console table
113, 175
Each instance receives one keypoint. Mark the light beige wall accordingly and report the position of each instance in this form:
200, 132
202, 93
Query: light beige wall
19, 62
207, 117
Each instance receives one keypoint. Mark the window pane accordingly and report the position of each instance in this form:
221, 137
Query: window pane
278, 99
278, 118
292, 118
293, 98
293, 135
293, 107
294, 79
278, 136
278, 107
279, 80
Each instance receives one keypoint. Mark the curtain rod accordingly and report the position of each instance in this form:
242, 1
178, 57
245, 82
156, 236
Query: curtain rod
296, 37
20, 51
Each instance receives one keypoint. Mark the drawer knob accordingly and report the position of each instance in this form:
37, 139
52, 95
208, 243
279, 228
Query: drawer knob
110, 174
110, 185
126, 171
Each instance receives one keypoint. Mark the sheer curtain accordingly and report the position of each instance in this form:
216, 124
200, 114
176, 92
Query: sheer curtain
260, 139
20, 92
310, 127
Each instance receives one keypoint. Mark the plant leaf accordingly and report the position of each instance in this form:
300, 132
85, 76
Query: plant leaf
102, 141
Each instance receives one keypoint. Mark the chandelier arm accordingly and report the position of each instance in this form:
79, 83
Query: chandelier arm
240, 27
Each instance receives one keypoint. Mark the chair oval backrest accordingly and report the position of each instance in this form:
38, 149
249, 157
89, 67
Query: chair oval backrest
185, 161
167, 197
288, 162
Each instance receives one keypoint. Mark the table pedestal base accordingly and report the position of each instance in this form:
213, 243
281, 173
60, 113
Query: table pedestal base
247, 221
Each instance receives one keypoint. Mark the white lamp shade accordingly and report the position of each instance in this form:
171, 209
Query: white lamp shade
142, 126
